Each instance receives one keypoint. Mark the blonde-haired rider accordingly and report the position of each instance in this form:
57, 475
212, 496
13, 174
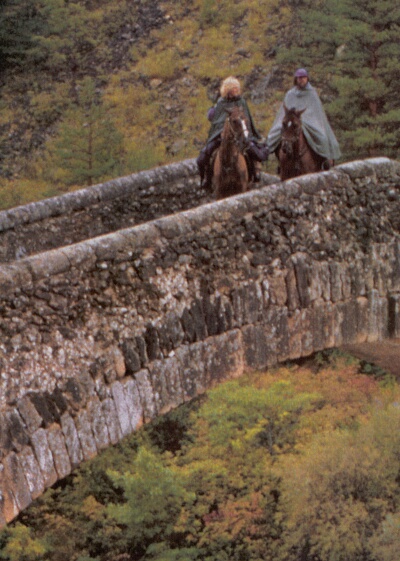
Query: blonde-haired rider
230, 91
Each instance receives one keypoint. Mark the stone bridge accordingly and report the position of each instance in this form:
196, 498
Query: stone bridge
124, 300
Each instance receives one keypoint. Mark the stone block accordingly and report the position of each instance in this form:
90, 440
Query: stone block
6, 444
152, 343
29, 414
118, 394
303, 278
111, 418
378, 316
335, 282
44, 457
356, 272
307, 342
72, 441
86, 438
16, 429
225, 315
278, 289
295, 332
134, 404
347, 319
395, 271
345, 281
293, 300
394, 315
17, 483
146, 392
322, 318
198, 320
257, 349
171, 333
8, 505
253, 303
166, 384
49, 263
283, 351
55, 438
188, 326
33, 474
192, 368
210, 316
238, 306
98, 424
131, 356
223, 357
119, 363
362, 319
45, 407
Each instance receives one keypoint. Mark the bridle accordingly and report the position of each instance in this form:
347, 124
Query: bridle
239, 136
290, 144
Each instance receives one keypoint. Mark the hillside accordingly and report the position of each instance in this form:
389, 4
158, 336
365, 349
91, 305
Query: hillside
92, 89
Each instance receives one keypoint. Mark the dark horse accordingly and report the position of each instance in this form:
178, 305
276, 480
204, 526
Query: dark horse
294, 154
230, 168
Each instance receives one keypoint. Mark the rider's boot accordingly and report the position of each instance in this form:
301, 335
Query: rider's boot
257, 171
206, 182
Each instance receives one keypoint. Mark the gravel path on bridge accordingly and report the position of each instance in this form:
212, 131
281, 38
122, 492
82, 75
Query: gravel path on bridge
385, 354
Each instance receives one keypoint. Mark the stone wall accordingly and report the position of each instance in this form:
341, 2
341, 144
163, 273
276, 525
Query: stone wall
121, 203
103, 335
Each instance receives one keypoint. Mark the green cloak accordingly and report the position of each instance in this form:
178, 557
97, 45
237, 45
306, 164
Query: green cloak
221, 112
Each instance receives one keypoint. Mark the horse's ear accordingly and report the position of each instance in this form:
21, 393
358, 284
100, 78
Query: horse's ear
300, 113
285, 108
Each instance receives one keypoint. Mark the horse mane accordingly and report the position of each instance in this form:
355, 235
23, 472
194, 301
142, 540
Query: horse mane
230, 168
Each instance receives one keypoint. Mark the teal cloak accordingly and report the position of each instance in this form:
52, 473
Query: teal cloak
316, 127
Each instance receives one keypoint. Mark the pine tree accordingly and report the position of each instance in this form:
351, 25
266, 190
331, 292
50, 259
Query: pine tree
18, 27
89, 147
367, 77
351, 50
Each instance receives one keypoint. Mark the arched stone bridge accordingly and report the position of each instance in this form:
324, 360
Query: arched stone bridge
106, 323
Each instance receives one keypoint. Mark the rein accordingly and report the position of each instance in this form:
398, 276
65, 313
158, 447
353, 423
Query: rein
293, 142
239, 137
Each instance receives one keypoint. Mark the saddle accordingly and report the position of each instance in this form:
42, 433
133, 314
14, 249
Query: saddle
253, 169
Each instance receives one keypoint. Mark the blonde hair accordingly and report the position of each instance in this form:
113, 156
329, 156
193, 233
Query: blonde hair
228, 85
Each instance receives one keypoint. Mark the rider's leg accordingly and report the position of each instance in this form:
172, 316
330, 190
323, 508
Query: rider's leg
203, 162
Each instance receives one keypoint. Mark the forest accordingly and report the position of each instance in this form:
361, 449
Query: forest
93, 89
299, 463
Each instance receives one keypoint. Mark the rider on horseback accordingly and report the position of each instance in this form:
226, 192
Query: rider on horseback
256, 150
316, 127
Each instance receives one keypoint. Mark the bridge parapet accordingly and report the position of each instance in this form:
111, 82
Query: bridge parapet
101, 209
100, 336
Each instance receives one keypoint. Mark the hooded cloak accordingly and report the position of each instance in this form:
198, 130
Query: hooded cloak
316, 127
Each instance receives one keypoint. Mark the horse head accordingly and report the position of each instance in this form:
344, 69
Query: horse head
236, 127
291, 129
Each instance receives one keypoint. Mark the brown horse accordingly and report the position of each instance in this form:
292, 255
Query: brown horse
295, 155
230, 169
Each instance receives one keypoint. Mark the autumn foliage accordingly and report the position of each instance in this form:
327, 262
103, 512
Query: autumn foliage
296, 464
